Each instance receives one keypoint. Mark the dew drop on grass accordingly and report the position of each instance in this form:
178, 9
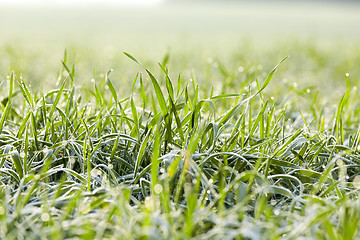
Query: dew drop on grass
95, 172
277, 212
356, 181
92, 80
45, 217
158, 188
22, 155
72, 160
272, 98
347, 74
106, 87
110, 166
66, 225
295, 85
241, 69
194, 181
308, 90
2, 210
45, 150
211, 181
147, 202
208, 191
162, 170
339, 162
273, 202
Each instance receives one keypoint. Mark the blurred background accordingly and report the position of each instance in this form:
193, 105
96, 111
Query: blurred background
96, 32
131, 24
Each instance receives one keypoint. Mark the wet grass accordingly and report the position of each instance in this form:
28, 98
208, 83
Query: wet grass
237, 154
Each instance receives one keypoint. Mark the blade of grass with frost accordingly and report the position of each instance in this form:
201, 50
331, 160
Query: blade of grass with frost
324, 175
113, 151
11, 173
4, 115
197, 111
280, 150
70, 101
141, 153
270, 76
135, 118
256, 122
56, 101
142, 92
170, 90
26, 93
86, 158
190, 150
213, 137
270, 119
134, 59
289, 177
227, 95
155, 162
234, 110
177, 120
338, 128
6, 111
134, 82
178, 86
17, 162
111, 86
99, 97
25, 149
169, 84
70, 73
158, 93
163, 108
34, 129
141, 174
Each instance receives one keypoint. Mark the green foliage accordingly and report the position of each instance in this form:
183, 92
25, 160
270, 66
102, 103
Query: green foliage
179, 161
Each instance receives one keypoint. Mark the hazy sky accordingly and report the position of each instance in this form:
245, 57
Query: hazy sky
81, 2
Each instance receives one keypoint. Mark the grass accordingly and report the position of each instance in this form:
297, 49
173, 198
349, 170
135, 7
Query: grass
253, 157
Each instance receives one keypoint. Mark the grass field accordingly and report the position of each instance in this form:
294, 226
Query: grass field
249, 141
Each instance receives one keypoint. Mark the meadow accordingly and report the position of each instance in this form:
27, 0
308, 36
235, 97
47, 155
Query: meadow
241, 142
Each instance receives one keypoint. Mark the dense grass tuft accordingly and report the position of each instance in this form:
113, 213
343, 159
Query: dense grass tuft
176, 159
